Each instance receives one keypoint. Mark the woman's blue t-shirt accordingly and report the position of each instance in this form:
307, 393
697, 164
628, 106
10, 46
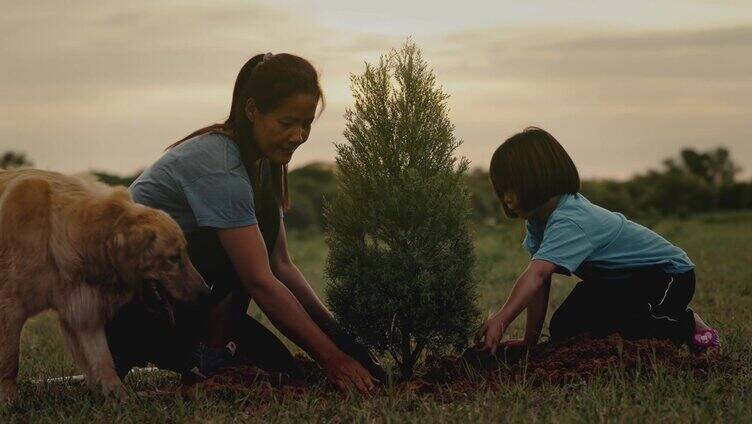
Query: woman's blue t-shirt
581, 238
200, 183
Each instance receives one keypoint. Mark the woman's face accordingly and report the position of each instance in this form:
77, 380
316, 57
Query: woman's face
283, 129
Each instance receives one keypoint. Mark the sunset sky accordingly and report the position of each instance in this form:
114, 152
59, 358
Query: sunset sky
107, 85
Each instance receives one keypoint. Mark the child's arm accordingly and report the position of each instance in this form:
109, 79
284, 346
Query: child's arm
528, 285
536, 316
536, 313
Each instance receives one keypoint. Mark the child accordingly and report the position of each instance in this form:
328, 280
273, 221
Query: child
634, 281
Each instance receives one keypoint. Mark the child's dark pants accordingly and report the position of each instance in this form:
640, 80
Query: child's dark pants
638, 303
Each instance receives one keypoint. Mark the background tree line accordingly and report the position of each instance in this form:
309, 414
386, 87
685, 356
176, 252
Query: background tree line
695, 181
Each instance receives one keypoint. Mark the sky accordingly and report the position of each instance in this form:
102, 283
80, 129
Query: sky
103, 85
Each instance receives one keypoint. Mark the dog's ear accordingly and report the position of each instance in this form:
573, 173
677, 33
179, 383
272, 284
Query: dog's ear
127, 248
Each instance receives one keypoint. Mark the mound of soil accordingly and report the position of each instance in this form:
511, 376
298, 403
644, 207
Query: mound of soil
248, 377
580, 358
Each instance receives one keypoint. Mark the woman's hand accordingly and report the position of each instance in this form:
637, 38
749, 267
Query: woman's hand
344, 372
490, 334
356, 350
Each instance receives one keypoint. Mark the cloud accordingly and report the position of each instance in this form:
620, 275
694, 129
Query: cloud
687, 54
620, 101
733, 37
88, 84
137, 45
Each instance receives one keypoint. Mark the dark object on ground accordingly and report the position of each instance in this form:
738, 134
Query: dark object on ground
479, 359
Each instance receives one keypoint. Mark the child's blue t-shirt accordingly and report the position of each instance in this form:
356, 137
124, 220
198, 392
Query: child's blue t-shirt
581, 238
200, 183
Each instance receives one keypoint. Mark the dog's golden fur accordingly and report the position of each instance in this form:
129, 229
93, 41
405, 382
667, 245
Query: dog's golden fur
83, 249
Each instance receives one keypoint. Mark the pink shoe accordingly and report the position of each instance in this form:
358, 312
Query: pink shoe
704, 339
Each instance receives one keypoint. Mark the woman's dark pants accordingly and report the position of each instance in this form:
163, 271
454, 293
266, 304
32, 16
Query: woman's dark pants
138, 336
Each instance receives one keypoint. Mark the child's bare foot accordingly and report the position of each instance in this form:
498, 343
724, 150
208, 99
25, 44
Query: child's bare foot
700, 324
704, 336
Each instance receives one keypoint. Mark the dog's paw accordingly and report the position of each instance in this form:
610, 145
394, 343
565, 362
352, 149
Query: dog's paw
116, 392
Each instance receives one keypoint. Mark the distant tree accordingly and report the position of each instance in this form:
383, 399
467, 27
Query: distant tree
715, 167
12, 159
735, 196
670, 193
310, 185
116, 180
612, 195
485, 206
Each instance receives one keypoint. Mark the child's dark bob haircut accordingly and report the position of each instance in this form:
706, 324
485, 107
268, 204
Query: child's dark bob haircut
534, 166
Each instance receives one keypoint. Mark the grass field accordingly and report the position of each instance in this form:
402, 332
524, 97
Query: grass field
718, 244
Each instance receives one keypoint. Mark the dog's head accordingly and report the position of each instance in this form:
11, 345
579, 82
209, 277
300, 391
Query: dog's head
148, 251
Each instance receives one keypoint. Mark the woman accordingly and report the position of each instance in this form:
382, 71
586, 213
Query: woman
226, 185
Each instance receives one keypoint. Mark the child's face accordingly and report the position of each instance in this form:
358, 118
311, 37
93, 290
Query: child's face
512, 203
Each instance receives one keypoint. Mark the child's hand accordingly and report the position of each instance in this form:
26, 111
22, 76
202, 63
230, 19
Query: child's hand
490, 335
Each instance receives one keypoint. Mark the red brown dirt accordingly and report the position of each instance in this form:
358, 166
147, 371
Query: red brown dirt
242, 378
578, 359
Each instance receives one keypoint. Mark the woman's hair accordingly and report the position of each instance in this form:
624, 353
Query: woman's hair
268, 80
534, 166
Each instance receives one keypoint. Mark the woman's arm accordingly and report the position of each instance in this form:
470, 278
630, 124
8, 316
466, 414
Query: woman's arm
285, 270
525, 289
246, 249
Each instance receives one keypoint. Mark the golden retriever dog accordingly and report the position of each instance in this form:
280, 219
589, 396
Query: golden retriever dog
83, 249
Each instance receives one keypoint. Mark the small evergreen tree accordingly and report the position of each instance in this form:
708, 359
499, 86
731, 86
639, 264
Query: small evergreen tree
401, 257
